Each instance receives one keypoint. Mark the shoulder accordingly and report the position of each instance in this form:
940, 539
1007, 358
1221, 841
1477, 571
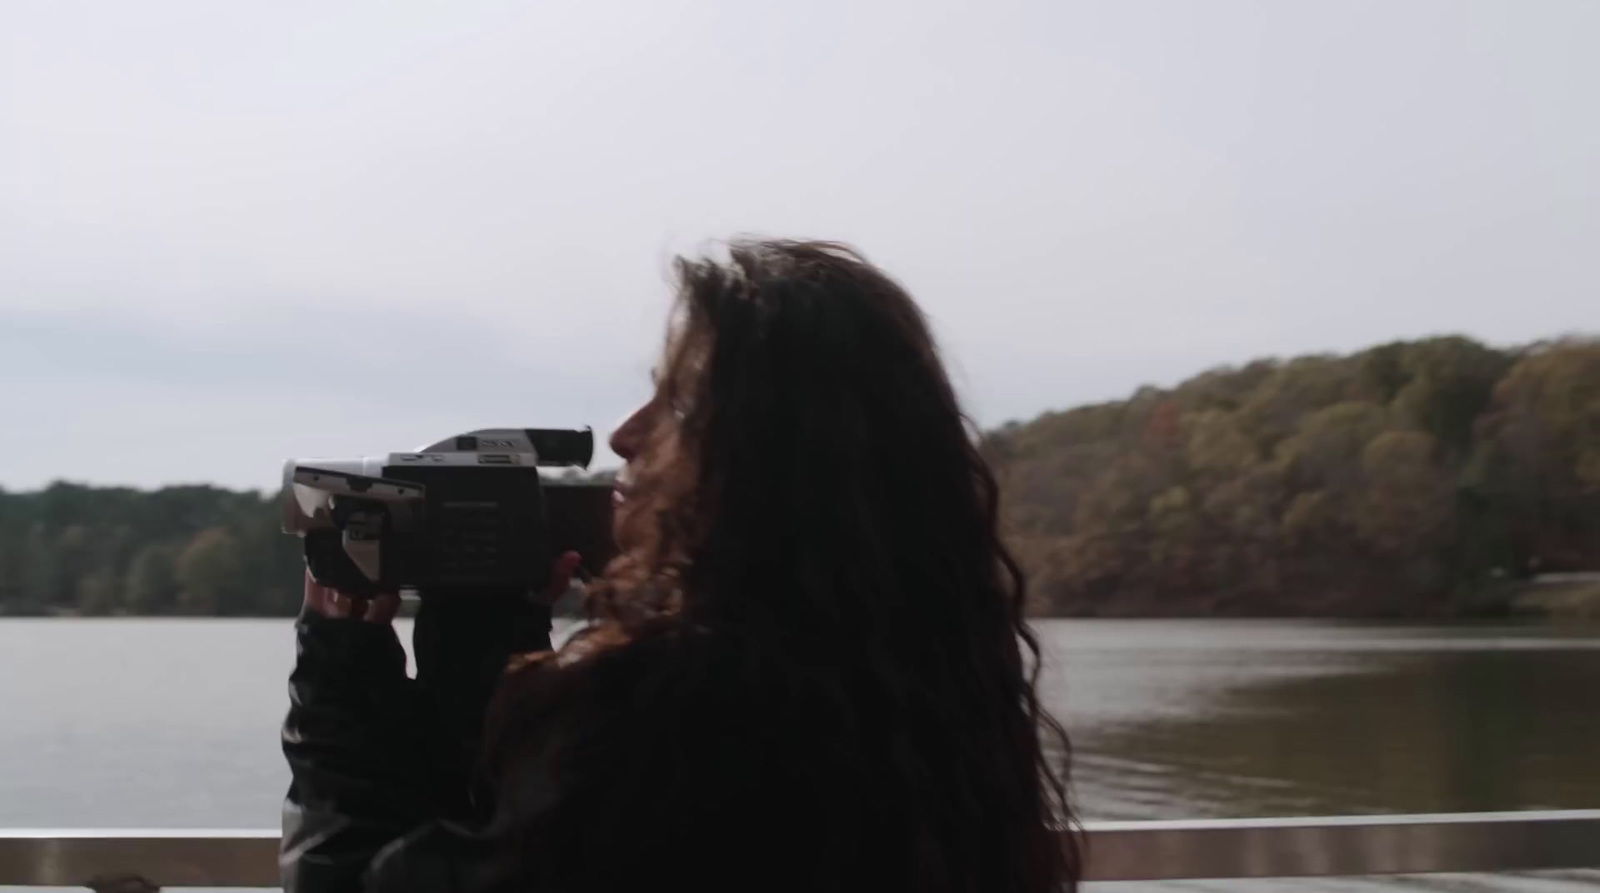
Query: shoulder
623, 764
604, 657
602, 682
615, 745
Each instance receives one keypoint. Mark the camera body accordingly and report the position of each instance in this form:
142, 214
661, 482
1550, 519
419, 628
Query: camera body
478, 512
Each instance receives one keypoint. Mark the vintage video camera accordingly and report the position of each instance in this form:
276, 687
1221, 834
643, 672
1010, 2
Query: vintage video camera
471, 513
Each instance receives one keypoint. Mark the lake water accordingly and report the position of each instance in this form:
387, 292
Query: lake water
173, 723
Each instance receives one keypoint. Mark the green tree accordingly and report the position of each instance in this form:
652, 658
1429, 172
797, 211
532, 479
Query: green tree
151, 583
1535, 458
1217, 447
1407, 502
1326, 448
209, 574
13, 570
43, 574
1449, 383
97, 592
1274, 409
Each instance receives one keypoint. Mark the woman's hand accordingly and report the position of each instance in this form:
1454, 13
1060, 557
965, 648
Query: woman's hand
561, 572
336, 605
382, 608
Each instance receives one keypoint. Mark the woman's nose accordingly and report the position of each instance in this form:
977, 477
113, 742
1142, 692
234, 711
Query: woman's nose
629, 436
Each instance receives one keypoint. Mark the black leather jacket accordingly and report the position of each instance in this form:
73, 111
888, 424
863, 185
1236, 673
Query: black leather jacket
681, 760
387, 792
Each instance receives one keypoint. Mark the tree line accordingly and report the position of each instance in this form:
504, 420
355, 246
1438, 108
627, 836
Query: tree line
1411, 479
197, 550
189, 550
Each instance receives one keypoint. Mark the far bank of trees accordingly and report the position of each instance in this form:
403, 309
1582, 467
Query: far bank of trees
1415, 478
178, 550
192, 550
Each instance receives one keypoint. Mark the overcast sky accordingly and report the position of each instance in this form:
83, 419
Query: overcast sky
236, 232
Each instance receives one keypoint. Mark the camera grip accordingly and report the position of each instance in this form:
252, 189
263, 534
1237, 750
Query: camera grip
463, 643
330, 565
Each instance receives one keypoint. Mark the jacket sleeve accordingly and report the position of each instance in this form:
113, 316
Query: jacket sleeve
383, 766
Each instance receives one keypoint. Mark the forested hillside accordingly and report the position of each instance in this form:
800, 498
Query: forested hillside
178, 550
1414, 478
1410, 479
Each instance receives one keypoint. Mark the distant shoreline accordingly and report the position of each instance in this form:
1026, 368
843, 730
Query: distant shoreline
1423, 479
1563, 598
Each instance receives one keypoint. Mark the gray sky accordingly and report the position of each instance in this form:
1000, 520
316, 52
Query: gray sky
231, 233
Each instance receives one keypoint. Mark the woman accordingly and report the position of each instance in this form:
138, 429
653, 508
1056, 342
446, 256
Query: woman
806, 670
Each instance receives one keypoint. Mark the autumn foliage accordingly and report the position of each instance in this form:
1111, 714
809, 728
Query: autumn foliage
1418, 478
1415, 478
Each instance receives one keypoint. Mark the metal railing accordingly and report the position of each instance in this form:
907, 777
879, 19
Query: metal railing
1116, 851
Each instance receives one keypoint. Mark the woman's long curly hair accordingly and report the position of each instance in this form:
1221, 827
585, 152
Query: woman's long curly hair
810, 487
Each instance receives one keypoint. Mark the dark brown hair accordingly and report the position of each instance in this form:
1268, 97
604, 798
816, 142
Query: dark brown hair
812, 493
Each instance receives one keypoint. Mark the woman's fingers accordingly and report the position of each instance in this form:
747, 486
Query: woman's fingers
317, 596
561, 576
339, 606
383, 608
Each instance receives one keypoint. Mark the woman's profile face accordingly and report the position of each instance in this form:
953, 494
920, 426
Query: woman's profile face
629, 442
